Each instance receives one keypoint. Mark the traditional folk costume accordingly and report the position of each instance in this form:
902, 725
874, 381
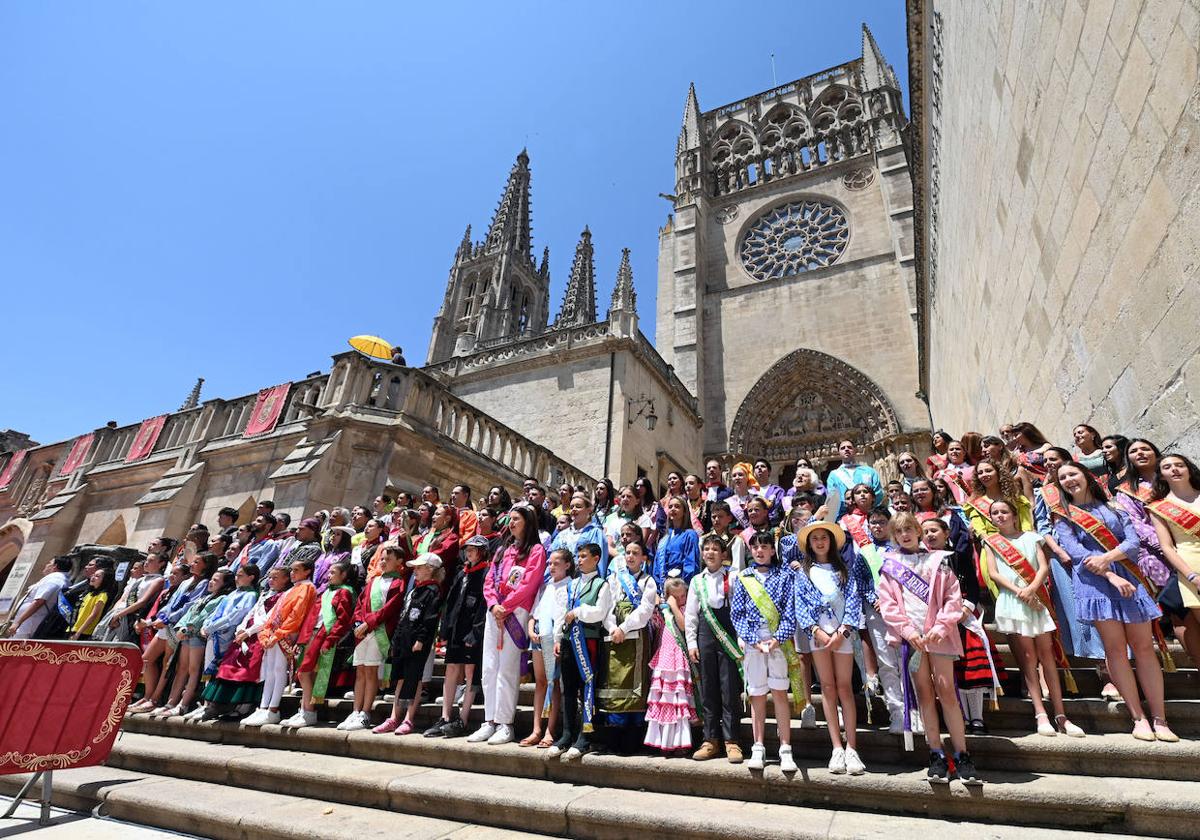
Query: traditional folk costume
737, 549
223, 622
958, 478
194, 619
672, 707
589, 598
330, 650
278, 637
627, 667
512, 582
762, 607
124, 631
378, 608
823, 600
1088, 530
238, 680
709, 629
571, 538
418, 623
919, 595
975, 672
864, 561
848, 476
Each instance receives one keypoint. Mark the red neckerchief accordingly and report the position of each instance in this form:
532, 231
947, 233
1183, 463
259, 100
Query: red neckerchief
430, 582
472, 569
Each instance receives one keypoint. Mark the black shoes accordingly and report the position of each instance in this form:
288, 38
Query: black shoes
939, 770
976, 727
964, 766
454, 729
438, 729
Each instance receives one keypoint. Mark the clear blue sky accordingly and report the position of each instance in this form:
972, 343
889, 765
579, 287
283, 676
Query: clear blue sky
231, 190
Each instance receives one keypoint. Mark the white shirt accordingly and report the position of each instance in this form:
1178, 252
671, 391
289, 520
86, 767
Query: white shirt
47, 590
714, 582
640, 616
550, 606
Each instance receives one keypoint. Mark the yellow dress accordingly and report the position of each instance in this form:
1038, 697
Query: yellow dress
1188, 546
86, 618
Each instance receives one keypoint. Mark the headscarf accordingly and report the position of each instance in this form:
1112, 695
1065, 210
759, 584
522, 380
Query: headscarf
749, 470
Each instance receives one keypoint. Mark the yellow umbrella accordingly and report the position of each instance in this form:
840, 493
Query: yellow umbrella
373, 346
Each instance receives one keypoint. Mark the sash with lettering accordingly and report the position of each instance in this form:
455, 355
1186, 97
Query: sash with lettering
770, 613
10, 469
512, 624
726, 641
146, 437
578, 643
856, 523
918, 586
79, 451
1025, 573
1108, 541
267, 409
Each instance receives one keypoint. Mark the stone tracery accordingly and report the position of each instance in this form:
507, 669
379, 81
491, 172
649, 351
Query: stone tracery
794, 238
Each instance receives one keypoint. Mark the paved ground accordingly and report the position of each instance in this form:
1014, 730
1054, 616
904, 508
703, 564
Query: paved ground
69, 825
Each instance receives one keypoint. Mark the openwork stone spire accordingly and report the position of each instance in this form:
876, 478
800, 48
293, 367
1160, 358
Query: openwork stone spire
193, 399
579, 302
876, 71
624, 298
689, 132
510, 228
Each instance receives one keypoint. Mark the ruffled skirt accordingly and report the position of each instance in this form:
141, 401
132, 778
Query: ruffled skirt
671, 709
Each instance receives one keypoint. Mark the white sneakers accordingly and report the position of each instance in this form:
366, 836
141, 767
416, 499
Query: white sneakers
853, 764
808, 717
758, 757
573, 754
554, 751
300, 720
786, 763
262, 717
502, 735
483, 733
837, 761
354, 722
195, 714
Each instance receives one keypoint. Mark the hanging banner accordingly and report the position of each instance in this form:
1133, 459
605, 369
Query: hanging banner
147, 436
79, 451
10, 469
267, 409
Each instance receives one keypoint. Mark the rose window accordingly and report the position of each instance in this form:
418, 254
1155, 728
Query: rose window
795, 237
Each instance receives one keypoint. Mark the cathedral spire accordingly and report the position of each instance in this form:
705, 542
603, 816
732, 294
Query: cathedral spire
193, 399
689, 132
510, 226
579, 301
544, 269
624, 298
877, 72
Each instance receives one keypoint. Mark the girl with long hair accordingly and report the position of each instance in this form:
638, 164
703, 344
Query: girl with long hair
1175, 503
937, 460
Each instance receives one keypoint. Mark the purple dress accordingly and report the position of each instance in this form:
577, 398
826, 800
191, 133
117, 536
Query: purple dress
1095, 598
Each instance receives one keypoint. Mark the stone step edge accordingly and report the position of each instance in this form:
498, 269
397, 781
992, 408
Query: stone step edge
1049, 800
143, 799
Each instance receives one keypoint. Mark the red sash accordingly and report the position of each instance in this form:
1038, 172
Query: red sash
1178, 514
1025, 573
939, 461
1108, 541
1052, 495
856, 524
975, 505
1142, 493
1038, 470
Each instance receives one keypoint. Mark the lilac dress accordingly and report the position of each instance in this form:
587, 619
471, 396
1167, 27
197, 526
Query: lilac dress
1095, 598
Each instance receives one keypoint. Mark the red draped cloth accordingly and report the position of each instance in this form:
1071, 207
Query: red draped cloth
267, 409
147, 436
79, 451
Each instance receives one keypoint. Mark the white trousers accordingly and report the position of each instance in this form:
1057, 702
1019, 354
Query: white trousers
274, 673
501, 677
888, 658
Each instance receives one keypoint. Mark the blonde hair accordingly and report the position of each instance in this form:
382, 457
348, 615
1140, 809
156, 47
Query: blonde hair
674, 583
902, 521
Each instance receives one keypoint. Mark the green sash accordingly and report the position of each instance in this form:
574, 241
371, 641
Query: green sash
770, 613
669, 620
874, 559
379, 590
325, 659
726, 641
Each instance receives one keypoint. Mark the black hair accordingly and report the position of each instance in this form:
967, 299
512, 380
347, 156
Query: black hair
63, 563
228, 511
1093, 484
268, 504
270, 519
715, 540
466, 492
883, 512
286, 519
349, 570
387, 500
306, 562
1096, 436
762, 461
592, 549
720, 504
505, 498
566, 555
530, 536
255, 574
834, 558
211, 563
762, 538
1132, 476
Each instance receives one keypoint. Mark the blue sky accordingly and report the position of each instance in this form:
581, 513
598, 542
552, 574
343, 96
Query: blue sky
231, 190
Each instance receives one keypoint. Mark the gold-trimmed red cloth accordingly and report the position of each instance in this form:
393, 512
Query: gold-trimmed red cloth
1003, 548
147, 436
10, 469
1167, 510
267, 409
62, 702
79, 451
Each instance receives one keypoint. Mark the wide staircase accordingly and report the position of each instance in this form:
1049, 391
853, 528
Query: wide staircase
221, 780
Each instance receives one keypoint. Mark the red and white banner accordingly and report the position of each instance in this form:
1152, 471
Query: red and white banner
79, 451
10, 469
267, 409
147, 436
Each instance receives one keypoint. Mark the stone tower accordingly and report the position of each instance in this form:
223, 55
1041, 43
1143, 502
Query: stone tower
786, 282
496, 293
579, 300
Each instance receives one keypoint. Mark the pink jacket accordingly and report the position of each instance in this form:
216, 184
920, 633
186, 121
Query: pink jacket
514, 584
945, 607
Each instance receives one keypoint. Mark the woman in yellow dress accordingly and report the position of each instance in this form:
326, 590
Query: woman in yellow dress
1175, 502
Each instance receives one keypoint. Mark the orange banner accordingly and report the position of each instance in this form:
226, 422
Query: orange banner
147, 436
267, 409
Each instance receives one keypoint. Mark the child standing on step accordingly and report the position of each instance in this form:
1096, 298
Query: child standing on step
327, 656
375, 618
828, 610
544, 623
672, 705
588, 602
413, 638
762, 602
712, 645
1019, 564
278, 637
633, 595
920, 600
462, 631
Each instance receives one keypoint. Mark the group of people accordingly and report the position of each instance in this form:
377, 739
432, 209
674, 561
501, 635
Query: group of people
643, 615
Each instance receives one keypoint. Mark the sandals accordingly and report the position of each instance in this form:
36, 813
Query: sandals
546, 742
530, 740
1044, 727
1067, 728
1162, 732
1143, 731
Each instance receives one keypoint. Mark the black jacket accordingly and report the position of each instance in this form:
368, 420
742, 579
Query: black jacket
418, 619
963, 559
466, 610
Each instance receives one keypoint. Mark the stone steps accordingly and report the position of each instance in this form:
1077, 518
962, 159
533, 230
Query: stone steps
455, 780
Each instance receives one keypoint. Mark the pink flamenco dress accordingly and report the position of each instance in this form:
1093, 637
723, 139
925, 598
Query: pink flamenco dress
670, 709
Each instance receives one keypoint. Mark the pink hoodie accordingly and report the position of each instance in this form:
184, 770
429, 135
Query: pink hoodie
945, 606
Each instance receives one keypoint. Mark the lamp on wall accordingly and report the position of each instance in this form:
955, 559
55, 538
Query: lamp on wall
645, 408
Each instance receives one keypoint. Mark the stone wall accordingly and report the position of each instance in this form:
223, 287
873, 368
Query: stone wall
1062, 140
